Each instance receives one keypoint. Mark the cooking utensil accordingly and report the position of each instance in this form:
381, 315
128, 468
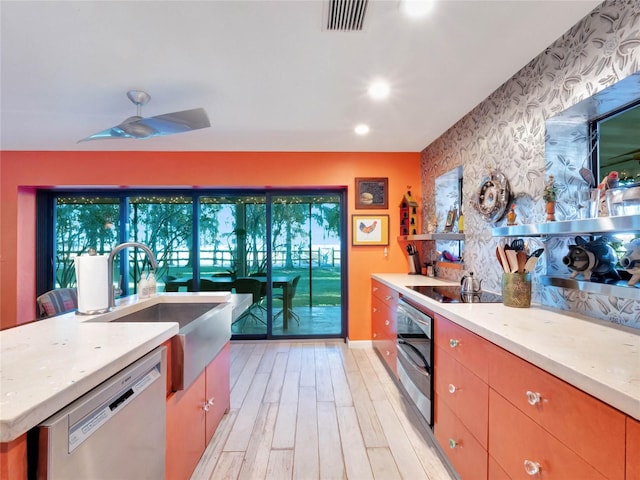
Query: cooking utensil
532, 260
522, 260
512, 260
503, 259
517, 244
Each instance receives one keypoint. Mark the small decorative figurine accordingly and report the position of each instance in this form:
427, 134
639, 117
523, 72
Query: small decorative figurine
549, 196
631, 260
511, 215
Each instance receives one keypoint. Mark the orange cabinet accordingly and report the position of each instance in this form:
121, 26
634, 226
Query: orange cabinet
462, 398
13, 459
464, 393
193, 416
217, 392
592, 429
633, 449
465, 453
384, 301
523, 449
466, 347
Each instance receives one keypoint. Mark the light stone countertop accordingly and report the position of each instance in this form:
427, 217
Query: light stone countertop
600, 358
47, 364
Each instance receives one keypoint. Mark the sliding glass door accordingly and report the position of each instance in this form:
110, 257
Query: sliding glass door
283, 249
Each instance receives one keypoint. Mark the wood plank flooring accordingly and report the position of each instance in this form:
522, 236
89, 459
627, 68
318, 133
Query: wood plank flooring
317, 410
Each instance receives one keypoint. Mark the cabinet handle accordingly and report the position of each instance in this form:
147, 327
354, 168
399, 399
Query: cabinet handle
388, 353
205, 406
375, 309
375, 289
533, 398
375, 334
453, 443
386, 322
453, 343
388, 297
452, 388
531, 467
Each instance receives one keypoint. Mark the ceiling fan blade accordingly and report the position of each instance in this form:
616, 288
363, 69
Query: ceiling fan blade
167, 124
177, 122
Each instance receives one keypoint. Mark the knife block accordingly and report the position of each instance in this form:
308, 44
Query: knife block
414, 264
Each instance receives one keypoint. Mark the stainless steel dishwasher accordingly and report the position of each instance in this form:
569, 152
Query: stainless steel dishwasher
115, 431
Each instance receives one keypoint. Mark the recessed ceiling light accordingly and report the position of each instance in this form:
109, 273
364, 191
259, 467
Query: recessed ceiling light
379, 90
416, 8
362, 129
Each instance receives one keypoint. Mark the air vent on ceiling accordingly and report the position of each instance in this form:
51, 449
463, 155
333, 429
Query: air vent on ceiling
345, 15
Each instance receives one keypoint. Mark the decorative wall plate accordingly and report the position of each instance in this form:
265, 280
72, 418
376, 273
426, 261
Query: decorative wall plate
493, 197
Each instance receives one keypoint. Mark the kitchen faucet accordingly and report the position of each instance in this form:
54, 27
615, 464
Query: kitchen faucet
114, 252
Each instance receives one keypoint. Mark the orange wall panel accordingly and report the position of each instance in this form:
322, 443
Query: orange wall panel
21, 173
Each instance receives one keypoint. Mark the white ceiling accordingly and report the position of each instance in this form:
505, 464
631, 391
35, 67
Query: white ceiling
269, 75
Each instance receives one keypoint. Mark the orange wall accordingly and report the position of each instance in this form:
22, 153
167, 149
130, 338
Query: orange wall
22, 172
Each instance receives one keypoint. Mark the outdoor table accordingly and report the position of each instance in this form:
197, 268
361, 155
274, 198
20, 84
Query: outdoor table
277, 281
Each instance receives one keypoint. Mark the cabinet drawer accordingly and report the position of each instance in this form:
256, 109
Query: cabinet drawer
464, 392
386, 294
633, 448
516, 441
591, 428
466, 347
388, 352
382, 320
464, 452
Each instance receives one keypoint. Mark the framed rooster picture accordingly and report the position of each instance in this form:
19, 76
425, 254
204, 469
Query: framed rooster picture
370, 229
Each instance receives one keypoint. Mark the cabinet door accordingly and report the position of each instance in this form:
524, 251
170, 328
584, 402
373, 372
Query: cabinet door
591, 428
464, 392
185, 430
384, 332
520, 446
465, 346
217, 386
464, 452
13, 459
386, 294
633, 449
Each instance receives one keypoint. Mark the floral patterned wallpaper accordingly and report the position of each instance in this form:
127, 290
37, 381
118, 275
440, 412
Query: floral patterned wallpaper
506, 132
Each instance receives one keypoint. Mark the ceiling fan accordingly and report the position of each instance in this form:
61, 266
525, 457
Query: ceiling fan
139, 127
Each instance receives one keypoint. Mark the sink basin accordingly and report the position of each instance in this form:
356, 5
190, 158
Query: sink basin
204, 329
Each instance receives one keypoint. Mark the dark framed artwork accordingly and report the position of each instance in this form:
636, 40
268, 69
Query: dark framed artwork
372, 192
370, 229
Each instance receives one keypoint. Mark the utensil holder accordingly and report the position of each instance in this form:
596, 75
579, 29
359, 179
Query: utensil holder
414, 264
516, 289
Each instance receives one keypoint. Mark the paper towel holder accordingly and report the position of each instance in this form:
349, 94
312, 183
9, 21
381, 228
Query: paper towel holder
114, 252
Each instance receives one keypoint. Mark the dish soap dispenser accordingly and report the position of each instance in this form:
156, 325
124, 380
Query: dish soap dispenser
151, 280
143, 287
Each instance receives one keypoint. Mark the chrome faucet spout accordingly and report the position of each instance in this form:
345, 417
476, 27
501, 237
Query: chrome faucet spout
114, 252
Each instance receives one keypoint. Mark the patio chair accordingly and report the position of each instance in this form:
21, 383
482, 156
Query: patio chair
55, 302
292, 294
254, 287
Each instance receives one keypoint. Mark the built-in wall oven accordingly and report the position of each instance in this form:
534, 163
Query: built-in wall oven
415, 355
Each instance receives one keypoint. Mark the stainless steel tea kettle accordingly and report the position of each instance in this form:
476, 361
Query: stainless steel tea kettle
470, 284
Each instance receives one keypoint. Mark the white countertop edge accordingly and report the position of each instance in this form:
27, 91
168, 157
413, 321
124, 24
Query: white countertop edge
12, 428
616, 383
17, 418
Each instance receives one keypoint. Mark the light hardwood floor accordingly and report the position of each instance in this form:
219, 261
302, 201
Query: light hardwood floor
316, 410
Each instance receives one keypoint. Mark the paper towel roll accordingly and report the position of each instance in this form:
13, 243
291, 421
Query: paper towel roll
91, 278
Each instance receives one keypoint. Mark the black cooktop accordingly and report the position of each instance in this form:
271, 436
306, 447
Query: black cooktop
453, 294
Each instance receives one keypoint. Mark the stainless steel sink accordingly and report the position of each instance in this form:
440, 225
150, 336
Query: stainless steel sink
204, 329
